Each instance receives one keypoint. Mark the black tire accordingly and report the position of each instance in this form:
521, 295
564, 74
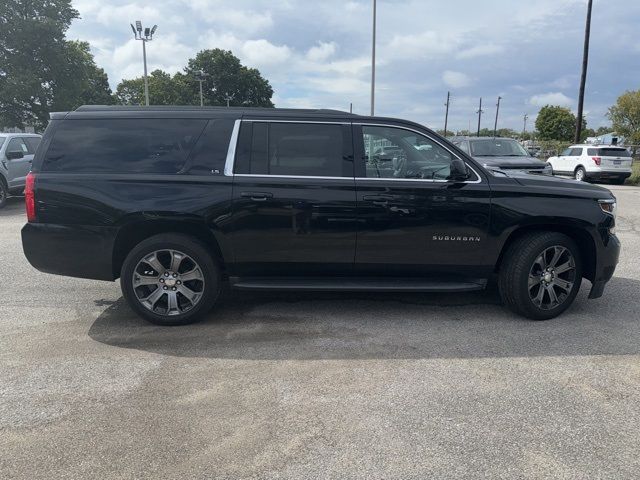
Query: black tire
519, 261
4, 193
580, 174
194, 250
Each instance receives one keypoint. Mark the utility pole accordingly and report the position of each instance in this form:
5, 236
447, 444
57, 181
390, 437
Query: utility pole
373, 62
201, 77
583, 78
147, 37
479, 112
524, 128
351, 107
446, 115
495, 125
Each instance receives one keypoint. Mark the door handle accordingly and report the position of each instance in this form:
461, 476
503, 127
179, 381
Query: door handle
379, 200
257, 196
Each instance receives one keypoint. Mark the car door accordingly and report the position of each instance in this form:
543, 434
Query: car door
575, 159
412, 219
561, 165
294, 203
18, 168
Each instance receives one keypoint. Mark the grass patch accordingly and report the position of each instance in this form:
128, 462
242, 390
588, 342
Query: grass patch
634, 179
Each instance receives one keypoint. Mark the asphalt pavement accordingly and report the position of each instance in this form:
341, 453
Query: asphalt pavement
305, 386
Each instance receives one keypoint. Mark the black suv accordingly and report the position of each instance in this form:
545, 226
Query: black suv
177, 201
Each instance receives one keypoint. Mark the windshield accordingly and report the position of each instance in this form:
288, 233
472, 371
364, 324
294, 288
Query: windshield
497, 147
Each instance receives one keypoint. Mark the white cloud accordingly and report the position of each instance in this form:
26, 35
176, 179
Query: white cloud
551, 98
480, 51
262, 52
322, 51
456, 79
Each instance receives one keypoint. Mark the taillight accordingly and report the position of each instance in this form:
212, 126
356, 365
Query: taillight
30, 197
596, 160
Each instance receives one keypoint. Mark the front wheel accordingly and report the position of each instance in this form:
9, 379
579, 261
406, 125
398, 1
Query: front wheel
541, 275
170, 279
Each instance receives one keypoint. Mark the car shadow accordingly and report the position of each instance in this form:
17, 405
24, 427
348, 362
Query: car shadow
14, 205
325, 326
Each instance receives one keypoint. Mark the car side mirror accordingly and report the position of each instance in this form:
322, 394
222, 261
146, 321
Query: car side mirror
459, 171
15, 155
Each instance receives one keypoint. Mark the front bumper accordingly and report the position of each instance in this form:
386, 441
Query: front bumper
608, 255
70, 250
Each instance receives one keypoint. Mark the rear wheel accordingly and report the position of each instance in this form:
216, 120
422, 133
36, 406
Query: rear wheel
541, 275
580, 174
4, 193
170, 279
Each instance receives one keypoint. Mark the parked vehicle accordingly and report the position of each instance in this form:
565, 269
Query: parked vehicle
594, 162
16, 155
177, 201
502, 153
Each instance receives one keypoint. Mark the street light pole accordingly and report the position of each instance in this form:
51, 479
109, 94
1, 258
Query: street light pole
373, 62
495, 125
145, 37
446, 114
524, 128
583, 77
200, 78
479, 112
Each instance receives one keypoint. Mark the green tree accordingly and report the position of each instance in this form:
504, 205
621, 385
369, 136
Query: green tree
625, 116
40, 71
226, 79
556, 123
163, 90
603, 130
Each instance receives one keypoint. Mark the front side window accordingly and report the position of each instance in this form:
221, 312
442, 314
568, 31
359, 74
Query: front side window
397, 153
159, 146
566, 153
292, 149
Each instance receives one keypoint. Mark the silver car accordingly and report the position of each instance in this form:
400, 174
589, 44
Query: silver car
16, 155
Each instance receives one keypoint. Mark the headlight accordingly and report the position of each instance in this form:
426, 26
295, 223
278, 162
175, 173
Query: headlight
609, 206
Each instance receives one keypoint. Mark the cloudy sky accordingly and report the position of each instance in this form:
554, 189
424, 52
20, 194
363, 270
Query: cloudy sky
318, 53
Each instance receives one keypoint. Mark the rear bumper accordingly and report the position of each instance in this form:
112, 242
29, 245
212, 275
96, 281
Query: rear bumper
608, 175
73, 251
608, 255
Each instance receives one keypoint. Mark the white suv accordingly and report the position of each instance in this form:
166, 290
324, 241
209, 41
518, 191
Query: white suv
16, 155
593, 162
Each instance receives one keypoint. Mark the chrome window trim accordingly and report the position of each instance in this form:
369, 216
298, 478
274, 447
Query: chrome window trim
261, 120
231, 151
367, 124
258, 175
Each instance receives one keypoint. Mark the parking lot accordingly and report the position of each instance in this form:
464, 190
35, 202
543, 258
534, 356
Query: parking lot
317, 385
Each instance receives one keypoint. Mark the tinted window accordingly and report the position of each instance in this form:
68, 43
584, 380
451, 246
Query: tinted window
614, 152
32, 143
17, 145
398, 153
210, 152
122, 145
592, 152
576, 152
297, 149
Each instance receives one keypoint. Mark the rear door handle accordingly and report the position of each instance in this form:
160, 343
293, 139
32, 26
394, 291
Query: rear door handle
379, 200
257, 196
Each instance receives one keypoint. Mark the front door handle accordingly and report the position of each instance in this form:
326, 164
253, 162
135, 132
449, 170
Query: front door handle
379, 200
257, 196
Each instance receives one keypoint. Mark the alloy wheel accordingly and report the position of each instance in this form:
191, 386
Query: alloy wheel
551, 277
168, 282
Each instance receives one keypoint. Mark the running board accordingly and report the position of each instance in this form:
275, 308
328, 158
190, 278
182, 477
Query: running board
355, 284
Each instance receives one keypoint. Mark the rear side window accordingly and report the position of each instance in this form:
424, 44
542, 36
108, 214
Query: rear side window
159, 146
294, 149
32, 144
592, 152
210, 152
614, 152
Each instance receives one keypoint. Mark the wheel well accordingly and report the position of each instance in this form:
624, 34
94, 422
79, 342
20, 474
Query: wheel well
580, 166
584, 241
132, 234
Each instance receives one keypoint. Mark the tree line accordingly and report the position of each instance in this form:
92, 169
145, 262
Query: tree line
41, 71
